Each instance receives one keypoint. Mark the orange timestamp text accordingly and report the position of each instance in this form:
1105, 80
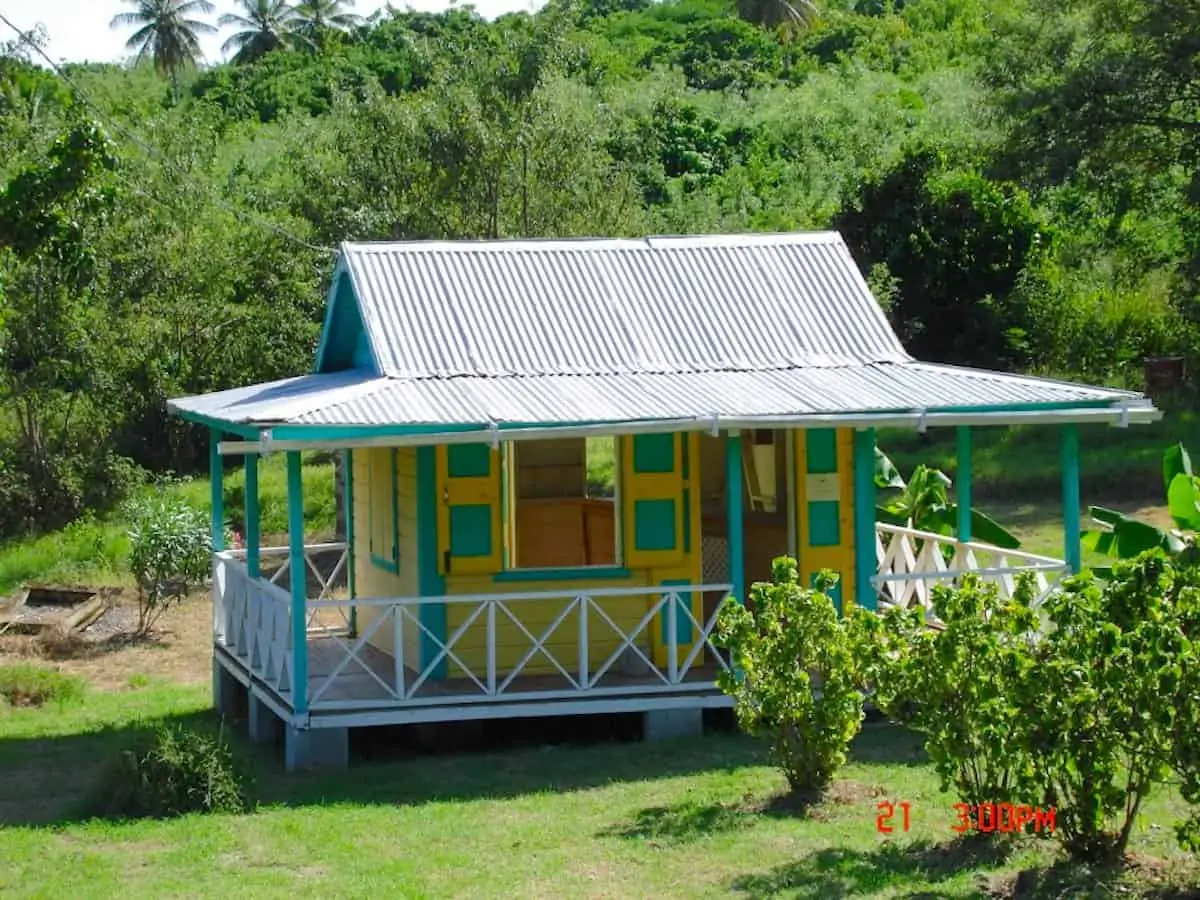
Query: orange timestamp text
983, 817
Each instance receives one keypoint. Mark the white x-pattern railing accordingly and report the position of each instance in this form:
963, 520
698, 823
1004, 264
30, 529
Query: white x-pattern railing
252, 620
911, 562
583, 611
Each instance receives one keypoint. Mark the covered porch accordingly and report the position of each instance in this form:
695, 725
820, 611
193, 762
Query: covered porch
316, 657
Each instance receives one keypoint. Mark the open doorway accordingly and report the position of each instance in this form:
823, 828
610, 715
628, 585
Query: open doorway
766, 491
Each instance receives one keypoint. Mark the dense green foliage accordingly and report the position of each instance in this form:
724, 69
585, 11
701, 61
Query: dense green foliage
170, 553
957, 687
1081, 704
793, 675
169, 236
176, 772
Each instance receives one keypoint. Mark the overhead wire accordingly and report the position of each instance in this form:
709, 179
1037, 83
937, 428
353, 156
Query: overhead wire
151, 150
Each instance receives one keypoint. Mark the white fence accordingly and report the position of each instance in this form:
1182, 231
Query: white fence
911, 562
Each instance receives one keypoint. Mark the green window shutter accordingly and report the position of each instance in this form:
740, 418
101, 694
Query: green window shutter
653, 490
469, 509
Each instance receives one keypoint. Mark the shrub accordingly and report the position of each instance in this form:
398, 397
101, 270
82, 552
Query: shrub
26, 685
178, 771
786, 639
957, 686
1102, 705
170, 552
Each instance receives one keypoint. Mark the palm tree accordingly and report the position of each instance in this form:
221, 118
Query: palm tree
265, 26
314, 18
789, 15
165, 32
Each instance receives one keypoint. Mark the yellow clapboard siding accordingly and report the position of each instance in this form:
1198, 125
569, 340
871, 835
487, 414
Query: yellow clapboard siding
371, 580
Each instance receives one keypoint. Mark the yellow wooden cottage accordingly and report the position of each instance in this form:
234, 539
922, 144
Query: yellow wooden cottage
562, 455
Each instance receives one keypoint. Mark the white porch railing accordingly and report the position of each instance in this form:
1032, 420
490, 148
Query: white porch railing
583, 616
911, 562
252, 620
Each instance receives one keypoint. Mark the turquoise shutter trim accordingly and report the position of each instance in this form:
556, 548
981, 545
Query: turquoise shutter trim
683, 625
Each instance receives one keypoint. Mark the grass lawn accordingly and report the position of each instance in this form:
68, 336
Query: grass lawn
689, 819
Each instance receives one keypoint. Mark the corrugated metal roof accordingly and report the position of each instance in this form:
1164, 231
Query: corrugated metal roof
615, 307
610, 331
575, 399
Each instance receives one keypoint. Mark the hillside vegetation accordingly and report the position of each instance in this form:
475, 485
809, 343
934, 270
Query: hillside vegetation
1018, 182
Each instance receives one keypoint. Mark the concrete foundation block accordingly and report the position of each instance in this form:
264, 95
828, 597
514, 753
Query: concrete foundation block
663, 724
226, 691
316, 748
265, 726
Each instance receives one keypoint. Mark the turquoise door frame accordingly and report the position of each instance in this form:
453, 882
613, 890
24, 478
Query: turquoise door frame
736, 521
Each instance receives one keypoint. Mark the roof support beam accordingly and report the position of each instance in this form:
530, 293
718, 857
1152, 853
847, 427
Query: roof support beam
1120, 416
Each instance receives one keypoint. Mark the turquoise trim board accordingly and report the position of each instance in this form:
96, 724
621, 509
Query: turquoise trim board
430, 583
295, 499
348, 494
580, 573
736, 521
253, 531
1070, 490
344, 342
962, 483
683, 625
864, 519
248, 432
216, 475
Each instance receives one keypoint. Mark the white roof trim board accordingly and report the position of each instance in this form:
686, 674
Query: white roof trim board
571, 334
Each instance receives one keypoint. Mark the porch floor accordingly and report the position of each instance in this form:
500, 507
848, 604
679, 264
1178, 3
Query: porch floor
354, 683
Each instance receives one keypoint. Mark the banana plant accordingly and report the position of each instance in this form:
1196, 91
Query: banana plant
923, 503
1121, 537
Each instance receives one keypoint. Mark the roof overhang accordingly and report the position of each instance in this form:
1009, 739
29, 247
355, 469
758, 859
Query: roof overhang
292, 437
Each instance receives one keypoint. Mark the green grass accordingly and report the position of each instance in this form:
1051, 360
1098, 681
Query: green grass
93, 551
28, 685
692, 818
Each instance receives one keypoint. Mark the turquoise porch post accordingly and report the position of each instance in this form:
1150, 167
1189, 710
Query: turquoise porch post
1070, 490
733, 508
297, 572
216, 474
865, 564
962, 483
348, 496
253, 531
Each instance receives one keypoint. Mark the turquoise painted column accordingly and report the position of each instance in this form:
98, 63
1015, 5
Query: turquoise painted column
962, 483
733, 507
1070, 490
348, 475
216, 475
865, 564
297, 576
430, 582
253, 530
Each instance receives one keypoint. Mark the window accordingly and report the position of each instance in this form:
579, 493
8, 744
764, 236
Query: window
383, 508
561, 504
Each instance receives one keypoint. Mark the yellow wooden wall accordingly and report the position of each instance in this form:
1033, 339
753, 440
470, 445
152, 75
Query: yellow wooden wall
370, 579
825, 486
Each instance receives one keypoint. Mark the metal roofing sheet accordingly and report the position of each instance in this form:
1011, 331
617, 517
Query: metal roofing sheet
357, 399
610, 307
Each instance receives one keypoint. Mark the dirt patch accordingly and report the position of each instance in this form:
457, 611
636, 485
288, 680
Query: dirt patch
108, 654
1146, 877
821, 807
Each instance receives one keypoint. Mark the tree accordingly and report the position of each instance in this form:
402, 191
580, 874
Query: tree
165, 32
787, 15
316, 18
265, 26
